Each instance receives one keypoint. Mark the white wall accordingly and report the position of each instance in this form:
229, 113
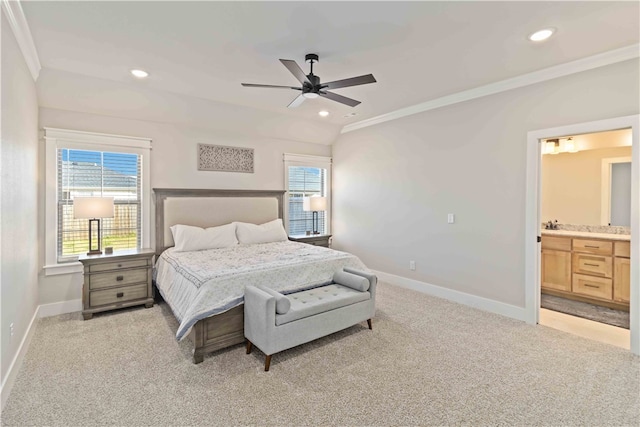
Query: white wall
173, 165
571, 185
19, 202
395, 183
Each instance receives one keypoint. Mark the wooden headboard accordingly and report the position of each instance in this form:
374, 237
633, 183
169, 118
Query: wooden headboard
210, 208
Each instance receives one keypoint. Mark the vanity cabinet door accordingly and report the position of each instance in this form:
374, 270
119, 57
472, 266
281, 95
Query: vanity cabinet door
621, 279
556, 270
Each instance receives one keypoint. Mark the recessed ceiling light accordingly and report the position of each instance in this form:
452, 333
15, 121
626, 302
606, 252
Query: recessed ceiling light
141, 74
541, 35
324, 113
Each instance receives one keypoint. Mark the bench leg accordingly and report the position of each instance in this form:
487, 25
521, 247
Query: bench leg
249, 347
369, 323
267, 362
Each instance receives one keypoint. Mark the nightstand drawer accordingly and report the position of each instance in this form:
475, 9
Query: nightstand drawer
593, 286
593, 246
593, 265
117, 265
116, 295
117, 278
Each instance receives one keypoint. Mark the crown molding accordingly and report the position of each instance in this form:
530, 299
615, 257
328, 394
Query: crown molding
584, 64
18, 22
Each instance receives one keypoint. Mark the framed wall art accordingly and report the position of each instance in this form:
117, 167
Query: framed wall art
225, 159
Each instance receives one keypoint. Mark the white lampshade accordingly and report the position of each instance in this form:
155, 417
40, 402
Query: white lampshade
93, 207
314, 203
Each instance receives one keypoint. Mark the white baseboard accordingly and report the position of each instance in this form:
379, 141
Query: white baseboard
62, 307
481, 303
16, 363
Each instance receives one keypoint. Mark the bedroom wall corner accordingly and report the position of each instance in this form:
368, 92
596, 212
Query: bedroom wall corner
18, 206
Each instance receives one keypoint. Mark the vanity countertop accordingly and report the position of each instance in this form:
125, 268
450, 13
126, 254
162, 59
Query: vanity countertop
587, 234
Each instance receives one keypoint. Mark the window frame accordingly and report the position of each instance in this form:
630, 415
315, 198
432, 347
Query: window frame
305, 160
79, 140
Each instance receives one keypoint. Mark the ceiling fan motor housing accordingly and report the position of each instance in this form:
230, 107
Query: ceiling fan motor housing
314, 86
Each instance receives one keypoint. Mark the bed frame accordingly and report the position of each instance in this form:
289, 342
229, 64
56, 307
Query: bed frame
210, 208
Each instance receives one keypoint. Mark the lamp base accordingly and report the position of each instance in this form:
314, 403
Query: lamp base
94, 252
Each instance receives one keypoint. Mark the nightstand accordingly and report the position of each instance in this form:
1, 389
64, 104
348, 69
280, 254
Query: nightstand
313, 239
118, 280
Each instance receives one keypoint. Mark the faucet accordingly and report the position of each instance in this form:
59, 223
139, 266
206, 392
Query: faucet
551, 225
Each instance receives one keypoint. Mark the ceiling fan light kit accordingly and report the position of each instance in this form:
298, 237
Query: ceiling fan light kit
311, 85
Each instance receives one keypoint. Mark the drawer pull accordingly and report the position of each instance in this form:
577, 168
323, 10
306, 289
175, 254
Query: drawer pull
119, 265
591, 286
119, 294
592, 265
592, 247
120, 278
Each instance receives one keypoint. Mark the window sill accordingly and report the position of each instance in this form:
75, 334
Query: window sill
67, 268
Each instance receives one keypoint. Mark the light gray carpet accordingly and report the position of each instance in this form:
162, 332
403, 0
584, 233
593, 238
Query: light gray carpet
426, 362
585, 310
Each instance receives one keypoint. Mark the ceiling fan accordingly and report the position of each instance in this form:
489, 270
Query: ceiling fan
311, 86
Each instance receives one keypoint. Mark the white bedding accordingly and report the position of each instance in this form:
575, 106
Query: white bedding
199, 284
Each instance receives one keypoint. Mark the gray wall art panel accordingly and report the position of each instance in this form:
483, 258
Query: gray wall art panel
225, 159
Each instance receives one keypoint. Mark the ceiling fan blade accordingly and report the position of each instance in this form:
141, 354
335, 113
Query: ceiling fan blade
353, 81
339, 98
295, 70
279, 87
296, 102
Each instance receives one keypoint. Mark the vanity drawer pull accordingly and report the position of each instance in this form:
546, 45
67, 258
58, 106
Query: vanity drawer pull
592, 246
588, 285
592, 265
120, 278
119, 294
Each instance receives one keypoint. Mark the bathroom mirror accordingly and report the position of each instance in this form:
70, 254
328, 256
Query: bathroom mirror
616, 192
588, 187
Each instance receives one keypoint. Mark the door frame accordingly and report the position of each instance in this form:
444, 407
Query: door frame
533, 219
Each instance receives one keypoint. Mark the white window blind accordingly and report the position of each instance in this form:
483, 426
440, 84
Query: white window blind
88, 173
305, 181
306, 176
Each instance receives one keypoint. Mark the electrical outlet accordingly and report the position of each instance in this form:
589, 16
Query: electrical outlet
11, 328
451, 218
412, 265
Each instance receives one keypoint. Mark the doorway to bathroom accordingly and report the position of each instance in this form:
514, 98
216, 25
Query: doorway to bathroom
583, 257
588, 282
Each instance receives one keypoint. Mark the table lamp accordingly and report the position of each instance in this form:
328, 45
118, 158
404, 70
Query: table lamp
314, 204
93, 208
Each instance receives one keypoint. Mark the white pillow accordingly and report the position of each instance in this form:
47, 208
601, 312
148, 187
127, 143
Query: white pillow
272, 231
190, 238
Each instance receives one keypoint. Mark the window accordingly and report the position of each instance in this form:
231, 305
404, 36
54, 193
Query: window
83, 164
83, 173
306, 176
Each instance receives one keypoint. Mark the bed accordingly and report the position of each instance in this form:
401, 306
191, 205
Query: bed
205, 289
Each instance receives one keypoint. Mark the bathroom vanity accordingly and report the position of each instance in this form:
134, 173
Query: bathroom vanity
586, 266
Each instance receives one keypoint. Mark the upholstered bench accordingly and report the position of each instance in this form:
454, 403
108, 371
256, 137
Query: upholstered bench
274, 322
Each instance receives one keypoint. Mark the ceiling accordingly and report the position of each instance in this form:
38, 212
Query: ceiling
417, 51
